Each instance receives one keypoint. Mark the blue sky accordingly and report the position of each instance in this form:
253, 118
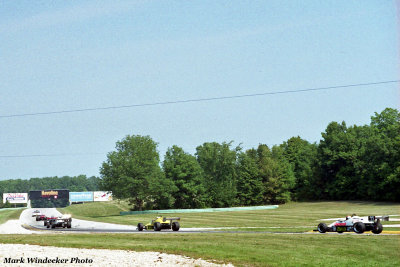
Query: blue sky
66, 55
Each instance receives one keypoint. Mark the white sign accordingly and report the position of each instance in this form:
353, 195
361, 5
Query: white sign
102, 196
15, 197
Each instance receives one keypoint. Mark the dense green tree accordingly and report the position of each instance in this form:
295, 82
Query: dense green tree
218, 162
250, 188
340, 152
331, 156
276, 174
133, 172
92, 183
283, 180
362, 162
382, 156
186, 173
303, 157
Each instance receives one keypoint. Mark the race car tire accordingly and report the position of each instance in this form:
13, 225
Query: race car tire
175, 226
69, 225
157, 226
359, 227
48, 225
45, 223
140, 227
53, 225
322, 228
377, 228
37, 219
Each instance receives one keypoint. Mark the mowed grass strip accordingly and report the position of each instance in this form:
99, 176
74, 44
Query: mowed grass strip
241, 249
297, 216
6, 215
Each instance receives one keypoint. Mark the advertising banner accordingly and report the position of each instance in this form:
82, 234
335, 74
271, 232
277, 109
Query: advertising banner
102, 196
80, 196
15, 197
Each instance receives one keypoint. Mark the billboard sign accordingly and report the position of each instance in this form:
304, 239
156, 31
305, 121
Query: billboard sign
102, 196
52, 194
15, 197
80, 196
50, 198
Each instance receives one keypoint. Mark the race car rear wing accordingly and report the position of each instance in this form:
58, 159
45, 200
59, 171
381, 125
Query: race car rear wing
381, 218
173, 219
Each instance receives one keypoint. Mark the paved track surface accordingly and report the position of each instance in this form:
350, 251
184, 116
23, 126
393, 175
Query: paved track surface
79, 226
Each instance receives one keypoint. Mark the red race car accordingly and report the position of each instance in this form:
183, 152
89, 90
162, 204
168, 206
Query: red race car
41, 217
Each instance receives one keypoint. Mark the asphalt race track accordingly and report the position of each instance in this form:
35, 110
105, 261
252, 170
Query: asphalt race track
80, 226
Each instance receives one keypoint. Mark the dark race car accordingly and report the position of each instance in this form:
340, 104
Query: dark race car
64, 221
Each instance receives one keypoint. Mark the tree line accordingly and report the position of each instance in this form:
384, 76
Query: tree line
74, 184
349, 163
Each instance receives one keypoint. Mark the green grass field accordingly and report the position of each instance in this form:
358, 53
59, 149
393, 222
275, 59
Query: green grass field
294, 217
9, 214
243, 249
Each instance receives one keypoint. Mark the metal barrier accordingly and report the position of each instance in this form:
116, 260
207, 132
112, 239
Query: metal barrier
269, 207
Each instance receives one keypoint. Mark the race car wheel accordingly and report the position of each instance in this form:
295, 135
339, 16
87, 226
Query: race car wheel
157, 226
322, 228
175, 226
377, 228
359, 227
48, 225
69, 225
45, 223
140, 227
53, 225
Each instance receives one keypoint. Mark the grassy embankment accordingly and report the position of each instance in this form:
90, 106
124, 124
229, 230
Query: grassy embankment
9, 214
244, 249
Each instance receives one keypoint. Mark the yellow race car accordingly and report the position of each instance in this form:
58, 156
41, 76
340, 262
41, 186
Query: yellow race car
161, 223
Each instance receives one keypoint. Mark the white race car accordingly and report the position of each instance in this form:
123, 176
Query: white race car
356, 224
36, 213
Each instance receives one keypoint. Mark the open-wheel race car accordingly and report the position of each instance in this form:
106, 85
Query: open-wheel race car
64, 221
160, 223
47, 220
41, 217
356, 224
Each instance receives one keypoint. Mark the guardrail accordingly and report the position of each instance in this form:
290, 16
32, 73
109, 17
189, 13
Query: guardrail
269, 207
